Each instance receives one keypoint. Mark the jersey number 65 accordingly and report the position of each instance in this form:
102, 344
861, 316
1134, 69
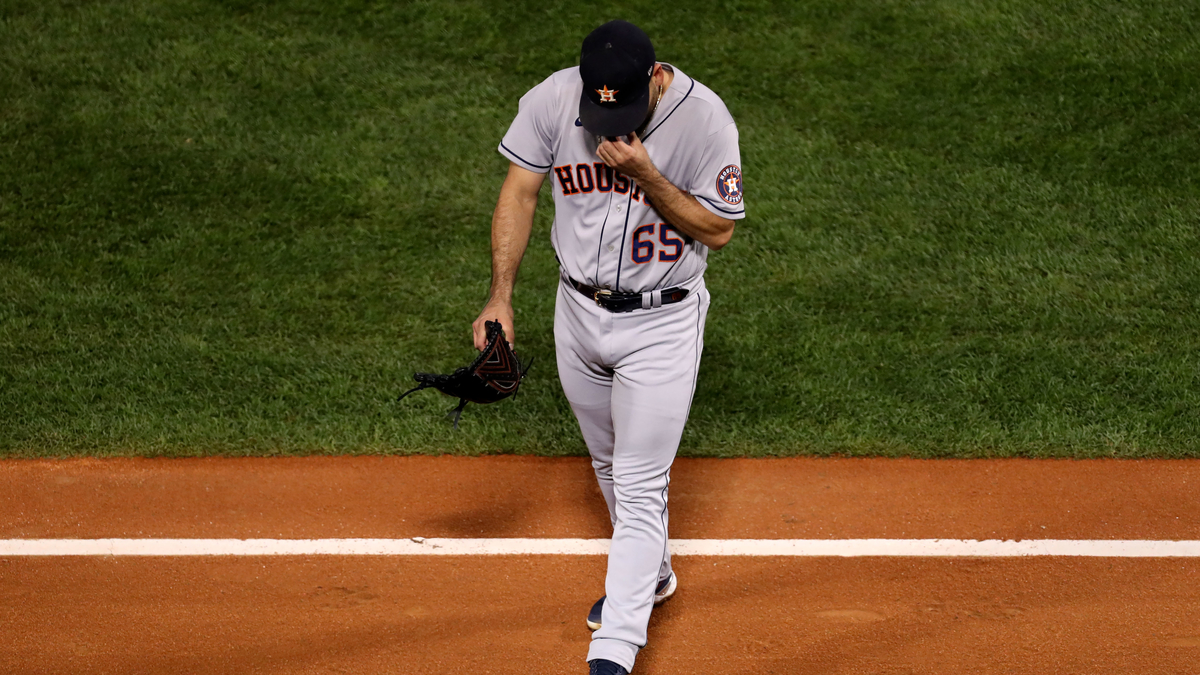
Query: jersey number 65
643, 243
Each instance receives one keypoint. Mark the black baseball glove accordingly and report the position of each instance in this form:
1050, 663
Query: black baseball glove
494, 375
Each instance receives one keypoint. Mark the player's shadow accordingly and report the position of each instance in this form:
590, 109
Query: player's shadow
497, 513
563, 501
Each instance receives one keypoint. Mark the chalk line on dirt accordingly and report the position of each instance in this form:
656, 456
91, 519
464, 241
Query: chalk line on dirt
925, 548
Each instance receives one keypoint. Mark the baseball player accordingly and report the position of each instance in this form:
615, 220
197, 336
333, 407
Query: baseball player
646, 175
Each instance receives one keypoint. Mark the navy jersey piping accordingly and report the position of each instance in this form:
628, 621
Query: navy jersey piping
538, 166
699, 339
685, 97
663, 516
624, 231
718, 206
600, 245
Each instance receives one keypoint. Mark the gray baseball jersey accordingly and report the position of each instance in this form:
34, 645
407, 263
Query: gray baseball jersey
606, 232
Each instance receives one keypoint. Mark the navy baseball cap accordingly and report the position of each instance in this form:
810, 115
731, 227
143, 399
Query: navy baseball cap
615, 64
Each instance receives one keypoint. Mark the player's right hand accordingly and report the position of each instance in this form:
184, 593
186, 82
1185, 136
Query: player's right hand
495, 310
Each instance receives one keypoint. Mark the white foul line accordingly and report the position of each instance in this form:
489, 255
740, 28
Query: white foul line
926, 548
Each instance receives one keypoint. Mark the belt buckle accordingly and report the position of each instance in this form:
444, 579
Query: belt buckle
598, 293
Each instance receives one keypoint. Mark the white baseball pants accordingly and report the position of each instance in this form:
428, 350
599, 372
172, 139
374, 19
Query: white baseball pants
630, 378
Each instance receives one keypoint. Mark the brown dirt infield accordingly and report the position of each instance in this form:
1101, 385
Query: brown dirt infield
511, 614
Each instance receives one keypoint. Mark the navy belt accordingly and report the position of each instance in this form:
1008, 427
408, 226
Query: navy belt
628, 302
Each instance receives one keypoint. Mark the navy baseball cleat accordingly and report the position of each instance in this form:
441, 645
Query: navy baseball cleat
605, 667
665, 589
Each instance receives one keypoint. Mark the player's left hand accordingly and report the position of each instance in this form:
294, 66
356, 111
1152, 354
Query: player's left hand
629, 158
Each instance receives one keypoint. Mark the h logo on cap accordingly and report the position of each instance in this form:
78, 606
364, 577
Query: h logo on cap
607, 95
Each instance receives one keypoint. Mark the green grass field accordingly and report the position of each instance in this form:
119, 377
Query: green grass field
238, 228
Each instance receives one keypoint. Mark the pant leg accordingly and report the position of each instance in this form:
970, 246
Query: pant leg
653, 382
579, 335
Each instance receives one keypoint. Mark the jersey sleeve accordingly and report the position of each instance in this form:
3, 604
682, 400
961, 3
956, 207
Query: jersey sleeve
717, 184
529, 142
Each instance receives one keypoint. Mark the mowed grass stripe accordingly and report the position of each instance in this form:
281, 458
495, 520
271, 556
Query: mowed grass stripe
237, 229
